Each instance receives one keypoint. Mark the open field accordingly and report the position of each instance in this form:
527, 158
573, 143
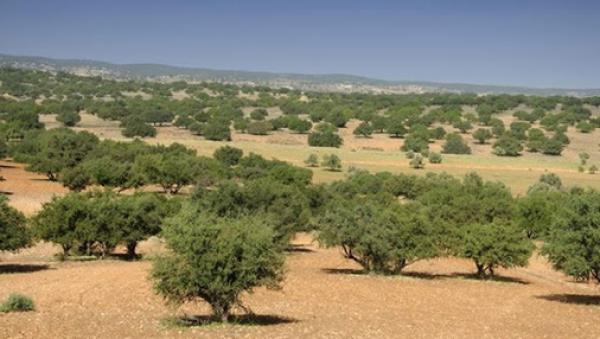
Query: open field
382, 153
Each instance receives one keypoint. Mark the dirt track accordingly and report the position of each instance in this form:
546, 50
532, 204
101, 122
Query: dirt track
323, 296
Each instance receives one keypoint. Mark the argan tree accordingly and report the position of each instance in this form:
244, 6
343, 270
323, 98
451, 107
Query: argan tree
494, 245
574, 240
216, 259
14, 233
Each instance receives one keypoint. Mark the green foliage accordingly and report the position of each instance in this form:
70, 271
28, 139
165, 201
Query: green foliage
259, 128
69, 118
574, 242
416, 143
395, 126
552, 146
381, 236
494, 245
507, 145
417, 162
312, 160
593, 169
299, 125
463, 126
332, 162
455, 145
585, 127
259, 114
17, 303
537, 211
54, 150
136, 127
518, 129
482, 135
14, 233
171, 170
363, 129
324, 139
216, 260
228, 156
217, 130
101, 220
435, 158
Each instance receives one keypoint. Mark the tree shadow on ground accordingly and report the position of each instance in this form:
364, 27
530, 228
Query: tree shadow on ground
432, 276
292, 248
6, 193
349, 271
22, 268
7, 166
580, 299
242, 319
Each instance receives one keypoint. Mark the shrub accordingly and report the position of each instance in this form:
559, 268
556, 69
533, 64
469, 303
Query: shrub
417, 162
585, 127
69, 118
332, 162
438, 133
216, 259
455, 145
136, 127
435, 158
482, 135
410, 154
364, 129
494, 245
217, 130
552, 146
584, 157
519, 129
507, 145
259, 114
463, 126
593, 169
299, 125
324, 139
227, 155
415, 143
259, 128
312, 160
17, 303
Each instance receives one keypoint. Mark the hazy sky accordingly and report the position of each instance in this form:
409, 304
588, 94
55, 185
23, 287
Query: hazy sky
533, 43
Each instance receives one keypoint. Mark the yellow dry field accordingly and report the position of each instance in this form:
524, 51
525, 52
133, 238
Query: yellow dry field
382, 153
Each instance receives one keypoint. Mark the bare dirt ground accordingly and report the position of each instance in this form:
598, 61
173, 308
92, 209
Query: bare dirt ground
26, 191
323, 296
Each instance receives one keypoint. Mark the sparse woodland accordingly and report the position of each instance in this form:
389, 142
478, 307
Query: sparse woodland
227, 219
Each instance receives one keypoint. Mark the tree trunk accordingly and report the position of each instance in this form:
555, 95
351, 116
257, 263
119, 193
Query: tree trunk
480, 270
131, 246
66, 249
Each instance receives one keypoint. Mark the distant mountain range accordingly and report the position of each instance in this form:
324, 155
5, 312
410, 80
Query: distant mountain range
313, 82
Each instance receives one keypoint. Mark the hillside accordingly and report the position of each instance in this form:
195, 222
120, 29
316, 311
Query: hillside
312, 82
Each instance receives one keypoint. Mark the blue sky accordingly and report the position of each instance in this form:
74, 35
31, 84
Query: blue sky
529, 42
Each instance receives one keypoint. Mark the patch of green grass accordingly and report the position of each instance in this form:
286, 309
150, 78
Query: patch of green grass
17, 303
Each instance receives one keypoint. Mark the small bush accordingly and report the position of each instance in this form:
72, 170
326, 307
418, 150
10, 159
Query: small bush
417, 162
435, 158
17, 303
593, 169
312, 160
